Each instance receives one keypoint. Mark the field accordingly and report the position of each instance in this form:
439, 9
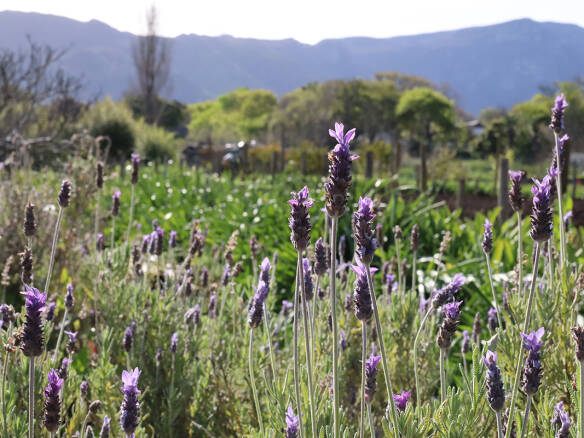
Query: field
212, 330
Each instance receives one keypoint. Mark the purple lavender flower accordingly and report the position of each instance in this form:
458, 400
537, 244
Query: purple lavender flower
99, 243
465, 344
105, 428
116, 203
130, 405
532, 371
30, 223
564, 431
477, 328
541, 216
308, 285
135, 166
342, 247
286, 306
64, 369
339, 180
558, 409
365, 243
361, 295
343, 342
495, 390
423, 306
442, 296
415, 237
320, 256
212, 309
492, 321
128, 339
193, 315
174, 342
72, 344
69, 298
32, 337
449, 324
401, 400
578, 336
515, 194
488, 237
371, 377
225, 276
84, 390
256, 305
159, 240
64, 196
560, 105
292, 424
158, 356
51, 418
99, 174
51, 311
391, 283
299, 221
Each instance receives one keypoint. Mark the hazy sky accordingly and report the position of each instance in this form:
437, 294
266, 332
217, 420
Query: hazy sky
306, 20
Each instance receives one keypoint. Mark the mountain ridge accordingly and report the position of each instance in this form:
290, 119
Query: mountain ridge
495, 65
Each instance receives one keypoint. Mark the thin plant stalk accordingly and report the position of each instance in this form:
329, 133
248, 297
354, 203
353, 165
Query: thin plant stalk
416, 340
490, 272
267, 328
526, 417
363, 359
388, 385
31, 398
371, 425
526, 322
113, 232
295, 352
60, 337
253, 385
464, 364
442, 374
84, 424
414, 257
519, 255
307, 344
333, 293
4, 372
132, 196
54, 249
561, 212
313, 319
500, 425
399, 267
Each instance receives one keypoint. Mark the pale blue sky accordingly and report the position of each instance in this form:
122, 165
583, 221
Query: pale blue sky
306, 20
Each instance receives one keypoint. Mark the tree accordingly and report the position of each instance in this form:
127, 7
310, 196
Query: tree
425, 112
151, 55
36, 96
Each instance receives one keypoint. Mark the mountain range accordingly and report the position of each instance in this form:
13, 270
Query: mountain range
497, 65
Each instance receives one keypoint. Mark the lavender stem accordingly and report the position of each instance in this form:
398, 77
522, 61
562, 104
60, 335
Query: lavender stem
296, 366
53, 249
500, 425
63, 324
581, 396
363, 359
490, 272
386, 374
519, 254
371, 425
333, 292
416, 340
526, 417
442, 375
525, 329
31, 398
561, 212
131, 215
253, 385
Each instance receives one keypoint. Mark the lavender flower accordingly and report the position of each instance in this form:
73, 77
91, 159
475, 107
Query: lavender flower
339, 179
342, 247
308, 285
64, 369
492, 321
172, 239
558, 409
423, 306
212, 309
51, 311
449, 323
99, 174
32, 337
52, 403
193, 315
465, 344
128, 339
365, 243
99, 243
343, 342
541, 216
26, 263
371, 377
379, 234
64, 196
30, 224
320, 256
135, 166
256, 305
495, 390
204, 277
515, 195
225, 275
361, 295
564, 431
415, 237
299, 221
105, 428
477, 328
72, 344
174, 342
560, 105
130, 405
292, 424
116, 203
69, 298
401, 400
145, 243
84, 390
488, 237
442, 296
578, 336
286, 307
532, 371
158, 356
